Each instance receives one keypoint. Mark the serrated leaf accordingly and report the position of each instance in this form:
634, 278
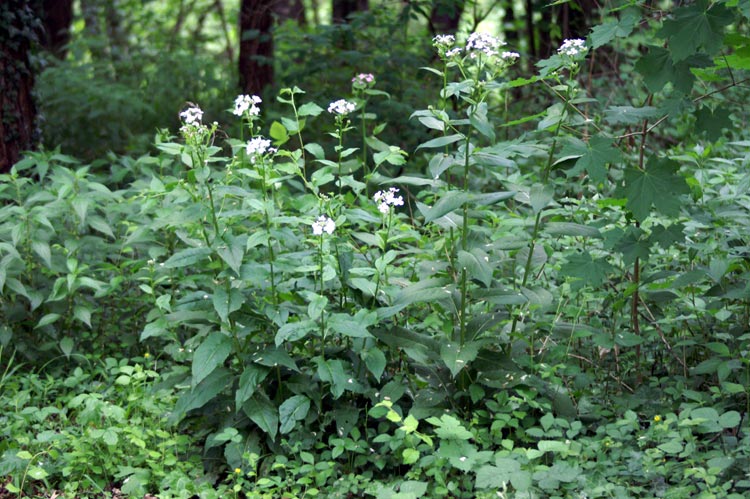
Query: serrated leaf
618, 28
658, 185
332, 372
586, 270
375, 361
629, 115
274, 357
355, 326
42, 249
233, 253
211, 353
450, 428
695, 26
292, 410
293, 331
712, 122
477, 265
100, 225
309, 109
594, 156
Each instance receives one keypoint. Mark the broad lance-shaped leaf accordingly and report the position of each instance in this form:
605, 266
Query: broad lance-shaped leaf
456, 356
263, 413
593, 156
292, 410
226, 303
200, 395
477, 265
455, 199
332, 372
209, 355
189, 256
249, 381
659, 185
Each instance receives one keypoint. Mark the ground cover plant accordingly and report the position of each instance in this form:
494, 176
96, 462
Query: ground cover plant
551, 302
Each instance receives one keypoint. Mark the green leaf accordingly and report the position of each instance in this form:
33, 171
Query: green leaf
47, 319
659, 185
211, 353
477, 265
274, 357
449, 428
201, 394
292, 410
375, 361
263, 413
713, 122
332, 372
66, 346
278, 133
586, 270
695, 26
293, 331
353, 326
309, 109
730, 419
224, 303
593, 156
42, 249
393, 156
316, 150
441, 141
571, 229
186, 257
249, 380
671, 447
233, 253
618, 28
456, 357
629, 115
633, 245
494, 477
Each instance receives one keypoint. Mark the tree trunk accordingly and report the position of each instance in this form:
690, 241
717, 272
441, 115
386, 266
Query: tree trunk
342, 9
58, 14
290, 10
446, 16
256, 46
18, 27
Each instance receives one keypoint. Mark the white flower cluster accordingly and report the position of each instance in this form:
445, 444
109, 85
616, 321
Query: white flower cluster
247, 103
258, 146
323, 224
192, 115
573, 47
482, 42
444, 41
386, 199
341, 107
510, 56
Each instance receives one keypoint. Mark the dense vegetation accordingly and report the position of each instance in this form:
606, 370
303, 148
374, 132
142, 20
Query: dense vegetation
434, 269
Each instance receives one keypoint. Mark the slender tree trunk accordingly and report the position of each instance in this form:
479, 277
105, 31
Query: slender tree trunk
446, 16
256, 46
58, 14
18, 27
290, 10
342, 9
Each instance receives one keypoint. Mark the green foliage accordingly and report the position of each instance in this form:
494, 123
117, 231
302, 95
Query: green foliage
533, 307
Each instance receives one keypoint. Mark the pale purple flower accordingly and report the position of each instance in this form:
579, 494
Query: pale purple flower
510, 56
386, 199
573, 47
453, 52
192, 115
363, 79
341, 107
323, 224
247, 103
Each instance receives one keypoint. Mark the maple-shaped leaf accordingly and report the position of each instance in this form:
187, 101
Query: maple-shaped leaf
696, 26
712, 122
667, 236
617, 28
586, 270
593, 156
658, 185
633, 244
658, 69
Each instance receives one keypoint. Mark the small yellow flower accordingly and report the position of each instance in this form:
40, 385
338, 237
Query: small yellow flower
146, 355
237, 470
657, 418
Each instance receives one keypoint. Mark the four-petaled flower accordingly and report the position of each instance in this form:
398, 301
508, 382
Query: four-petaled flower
510, 56
192, 115
247, 103
482, 42
386, 199
573, 47
258, 146
323, 224
341, 107
363, 80
444, 41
